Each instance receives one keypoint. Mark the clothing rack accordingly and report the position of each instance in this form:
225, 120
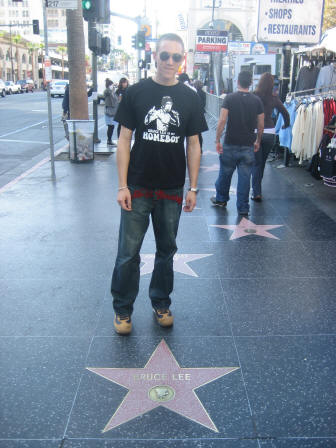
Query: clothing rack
331, 91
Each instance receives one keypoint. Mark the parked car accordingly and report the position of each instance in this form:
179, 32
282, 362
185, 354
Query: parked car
57, 88
19, 87
12, 88
2, 88
27, 85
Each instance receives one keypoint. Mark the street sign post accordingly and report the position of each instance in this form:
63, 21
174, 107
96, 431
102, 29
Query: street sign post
212, 40
61, 4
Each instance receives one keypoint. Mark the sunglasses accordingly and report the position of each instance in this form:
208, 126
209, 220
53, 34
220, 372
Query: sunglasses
164, 56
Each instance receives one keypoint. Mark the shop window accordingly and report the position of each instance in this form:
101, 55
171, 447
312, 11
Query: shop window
260, 69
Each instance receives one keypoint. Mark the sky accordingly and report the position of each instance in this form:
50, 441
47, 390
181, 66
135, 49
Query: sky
164, 13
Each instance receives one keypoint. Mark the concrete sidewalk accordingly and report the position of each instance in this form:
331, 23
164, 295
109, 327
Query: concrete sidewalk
254, 298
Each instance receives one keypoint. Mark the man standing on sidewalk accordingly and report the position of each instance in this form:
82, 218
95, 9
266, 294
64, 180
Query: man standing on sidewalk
243, 112
163, 112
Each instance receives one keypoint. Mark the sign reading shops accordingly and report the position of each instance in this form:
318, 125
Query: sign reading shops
211, 40
294, 21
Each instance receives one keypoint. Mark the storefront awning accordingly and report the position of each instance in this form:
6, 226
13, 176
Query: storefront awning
328, 43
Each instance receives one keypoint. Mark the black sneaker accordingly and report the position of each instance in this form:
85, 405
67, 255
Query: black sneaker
218, 203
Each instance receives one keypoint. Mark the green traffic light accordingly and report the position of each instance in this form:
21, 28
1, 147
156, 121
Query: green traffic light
87, 5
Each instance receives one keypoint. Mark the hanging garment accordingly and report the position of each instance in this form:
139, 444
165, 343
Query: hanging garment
285, 135
307, 79
326, 78
299, 132
308, 130
329, 109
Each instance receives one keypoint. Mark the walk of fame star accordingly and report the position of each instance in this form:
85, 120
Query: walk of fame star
247, 227
162, 382
179, 265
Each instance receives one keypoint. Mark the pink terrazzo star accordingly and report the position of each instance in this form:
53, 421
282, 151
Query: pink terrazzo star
247, 227
162, 382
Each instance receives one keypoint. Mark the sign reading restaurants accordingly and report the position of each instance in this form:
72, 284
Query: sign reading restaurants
211, 40
293, 21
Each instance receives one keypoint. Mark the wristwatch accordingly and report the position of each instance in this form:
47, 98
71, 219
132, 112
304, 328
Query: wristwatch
195, 190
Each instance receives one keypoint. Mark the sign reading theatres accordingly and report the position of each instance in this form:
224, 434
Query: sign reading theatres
211, 40
294, 21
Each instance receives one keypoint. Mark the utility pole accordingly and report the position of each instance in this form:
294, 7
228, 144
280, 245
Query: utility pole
51, 136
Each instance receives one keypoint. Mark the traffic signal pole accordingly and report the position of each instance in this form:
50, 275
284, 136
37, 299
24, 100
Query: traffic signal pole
92, 25
51, 136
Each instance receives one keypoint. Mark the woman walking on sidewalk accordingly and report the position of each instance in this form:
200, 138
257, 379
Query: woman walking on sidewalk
122, 86
270, 101
111, 105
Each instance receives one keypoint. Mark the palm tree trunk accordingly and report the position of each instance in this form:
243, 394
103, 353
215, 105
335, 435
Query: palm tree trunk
76, 58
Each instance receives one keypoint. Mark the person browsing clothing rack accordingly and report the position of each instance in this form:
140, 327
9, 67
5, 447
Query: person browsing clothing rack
271, 101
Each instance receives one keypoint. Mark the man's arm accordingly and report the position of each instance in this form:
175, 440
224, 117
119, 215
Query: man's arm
123, 158
220, 128
260, 130
193, 160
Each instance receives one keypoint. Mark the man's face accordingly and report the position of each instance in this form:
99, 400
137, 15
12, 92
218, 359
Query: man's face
168, 106
167, 69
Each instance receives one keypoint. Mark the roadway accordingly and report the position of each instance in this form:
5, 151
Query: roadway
24, 133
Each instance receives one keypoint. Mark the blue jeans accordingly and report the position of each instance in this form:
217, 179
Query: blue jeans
267, 142
164, 206
242, 158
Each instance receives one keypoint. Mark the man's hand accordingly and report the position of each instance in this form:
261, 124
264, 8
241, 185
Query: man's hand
190, 201
219, 148
124, 199
256, 146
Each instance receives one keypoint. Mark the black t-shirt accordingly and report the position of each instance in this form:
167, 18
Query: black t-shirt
243, 107
162, 117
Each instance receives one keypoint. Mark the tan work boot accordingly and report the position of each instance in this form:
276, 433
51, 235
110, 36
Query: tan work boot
122, 324
164, 317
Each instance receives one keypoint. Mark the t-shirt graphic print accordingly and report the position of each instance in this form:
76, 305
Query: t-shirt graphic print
164, 118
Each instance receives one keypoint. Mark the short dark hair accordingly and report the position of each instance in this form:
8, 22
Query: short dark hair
245, 79
165, 100
169, 36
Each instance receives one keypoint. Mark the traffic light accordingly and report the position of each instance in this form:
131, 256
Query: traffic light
36, 27
89, 9
105, 45
134, 41
95, 41
141, 40
96, 10
148, 56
